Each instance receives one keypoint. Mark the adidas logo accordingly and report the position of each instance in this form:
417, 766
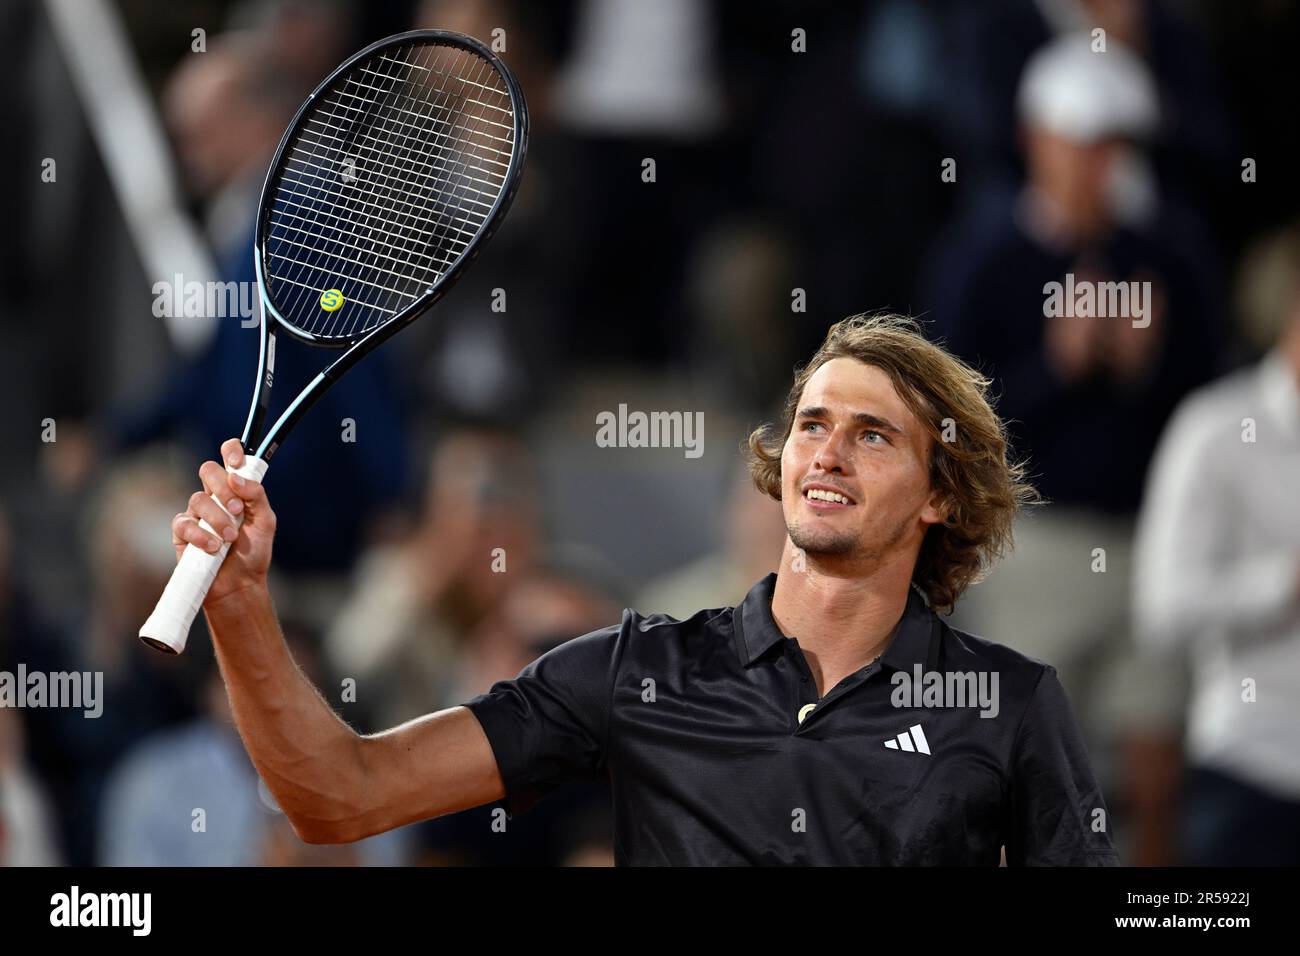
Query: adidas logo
905, 741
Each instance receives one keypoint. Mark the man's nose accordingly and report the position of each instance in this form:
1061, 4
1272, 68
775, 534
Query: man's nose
833, 455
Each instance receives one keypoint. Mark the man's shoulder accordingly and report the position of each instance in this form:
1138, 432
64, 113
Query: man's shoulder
964, 651
654, 634
652, 621
1211, 410
640, 633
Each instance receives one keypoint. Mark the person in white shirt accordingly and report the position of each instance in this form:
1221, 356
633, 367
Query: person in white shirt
1217, 577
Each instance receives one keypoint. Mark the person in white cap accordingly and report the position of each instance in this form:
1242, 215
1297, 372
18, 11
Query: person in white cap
1087, 295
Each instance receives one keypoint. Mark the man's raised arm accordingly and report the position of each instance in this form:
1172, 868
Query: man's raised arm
334, 785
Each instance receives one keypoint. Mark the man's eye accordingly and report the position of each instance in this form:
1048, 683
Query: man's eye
809, 426
868, 434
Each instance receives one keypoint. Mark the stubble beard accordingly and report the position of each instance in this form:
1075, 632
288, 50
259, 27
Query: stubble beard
831, 543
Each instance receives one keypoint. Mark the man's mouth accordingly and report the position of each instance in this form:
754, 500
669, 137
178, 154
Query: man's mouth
823, 498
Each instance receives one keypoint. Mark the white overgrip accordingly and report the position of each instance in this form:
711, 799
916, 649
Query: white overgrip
168, 626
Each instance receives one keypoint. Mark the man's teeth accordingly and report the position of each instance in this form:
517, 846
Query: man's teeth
823, 495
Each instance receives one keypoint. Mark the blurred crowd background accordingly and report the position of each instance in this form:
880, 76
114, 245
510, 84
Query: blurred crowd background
802, 174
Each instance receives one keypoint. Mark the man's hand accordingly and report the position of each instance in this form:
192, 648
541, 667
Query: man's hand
250, 554
1132, 350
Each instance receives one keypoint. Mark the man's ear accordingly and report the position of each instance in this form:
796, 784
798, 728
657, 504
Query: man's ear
936, 507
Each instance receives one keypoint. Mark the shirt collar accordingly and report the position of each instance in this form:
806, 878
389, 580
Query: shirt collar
915, 640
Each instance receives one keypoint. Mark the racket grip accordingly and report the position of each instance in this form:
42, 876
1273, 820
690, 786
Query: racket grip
168, 626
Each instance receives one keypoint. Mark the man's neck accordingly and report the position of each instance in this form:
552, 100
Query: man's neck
843, 618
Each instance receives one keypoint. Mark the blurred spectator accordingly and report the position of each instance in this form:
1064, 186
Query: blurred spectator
738, 287
1217, 577
414, 601
569, 594
639, 86
150, 803
750, 541
1086, 391
227, 109
1088, 211
306, 38
27, 832
847, 171
129, 546
991, 44
65, 245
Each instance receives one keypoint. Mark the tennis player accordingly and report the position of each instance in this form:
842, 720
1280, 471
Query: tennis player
832, 717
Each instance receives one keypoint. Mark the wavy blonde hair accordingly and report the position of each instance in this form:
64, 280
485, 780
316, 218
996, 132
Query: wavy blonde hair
981, 488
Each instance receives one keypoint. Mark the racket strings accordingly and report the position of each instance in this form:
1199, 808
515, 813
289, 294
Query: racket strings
386, 184
325, 171
385, 196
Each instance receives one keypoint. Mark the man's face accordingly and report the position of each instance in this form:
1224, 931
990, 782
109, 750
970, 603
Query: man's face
1075, 175
853, 435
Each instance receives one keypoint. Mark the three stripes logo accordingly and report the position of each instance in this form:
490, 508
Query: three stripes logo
912, 740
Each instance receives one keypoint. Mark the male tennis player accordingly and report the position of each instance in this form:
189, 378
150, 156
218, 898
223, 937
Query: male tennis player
830, 718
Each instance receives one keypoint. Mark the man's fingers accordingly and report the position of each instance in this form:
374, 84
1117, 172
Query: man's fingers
202, 506
178, 522
186, 530
232, 452
217, 481
251, 491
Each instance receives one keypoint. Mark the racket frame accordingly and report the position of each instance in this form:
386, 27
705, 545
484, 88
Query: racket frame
167, 629
369, 341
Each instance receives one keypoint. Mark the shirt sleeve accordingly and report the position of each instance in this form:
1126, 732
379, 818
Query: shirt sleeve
550, 724
1058, 817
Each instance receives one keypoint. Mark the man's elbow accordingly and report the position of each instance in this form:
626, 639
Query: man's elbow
315, 833
343, 814
326, 832
332, 818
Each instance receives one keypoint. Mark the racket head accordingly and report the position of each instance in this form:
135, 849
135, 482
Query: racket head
387, 183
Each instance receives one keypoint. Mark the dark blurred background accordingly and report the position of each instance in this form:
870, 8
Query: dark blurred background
811, 160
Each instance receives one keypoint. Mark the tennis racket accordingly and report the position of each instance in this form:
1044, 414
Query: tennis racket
390, 178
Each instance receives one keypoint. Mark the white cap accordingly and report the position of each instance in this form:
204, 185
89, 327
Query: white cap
641, 68
1085, 95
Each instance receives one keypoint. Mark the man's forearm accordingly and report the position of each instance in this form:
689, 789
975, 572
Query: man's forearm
309, 758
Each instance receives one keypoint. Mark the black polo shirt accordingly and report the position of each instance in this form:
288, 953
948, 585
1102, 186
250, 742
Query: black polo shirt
697, 725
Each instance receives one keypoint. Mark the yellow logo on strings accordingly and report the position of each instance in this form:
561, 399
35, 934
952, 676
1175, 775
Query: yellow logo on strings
331, 300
